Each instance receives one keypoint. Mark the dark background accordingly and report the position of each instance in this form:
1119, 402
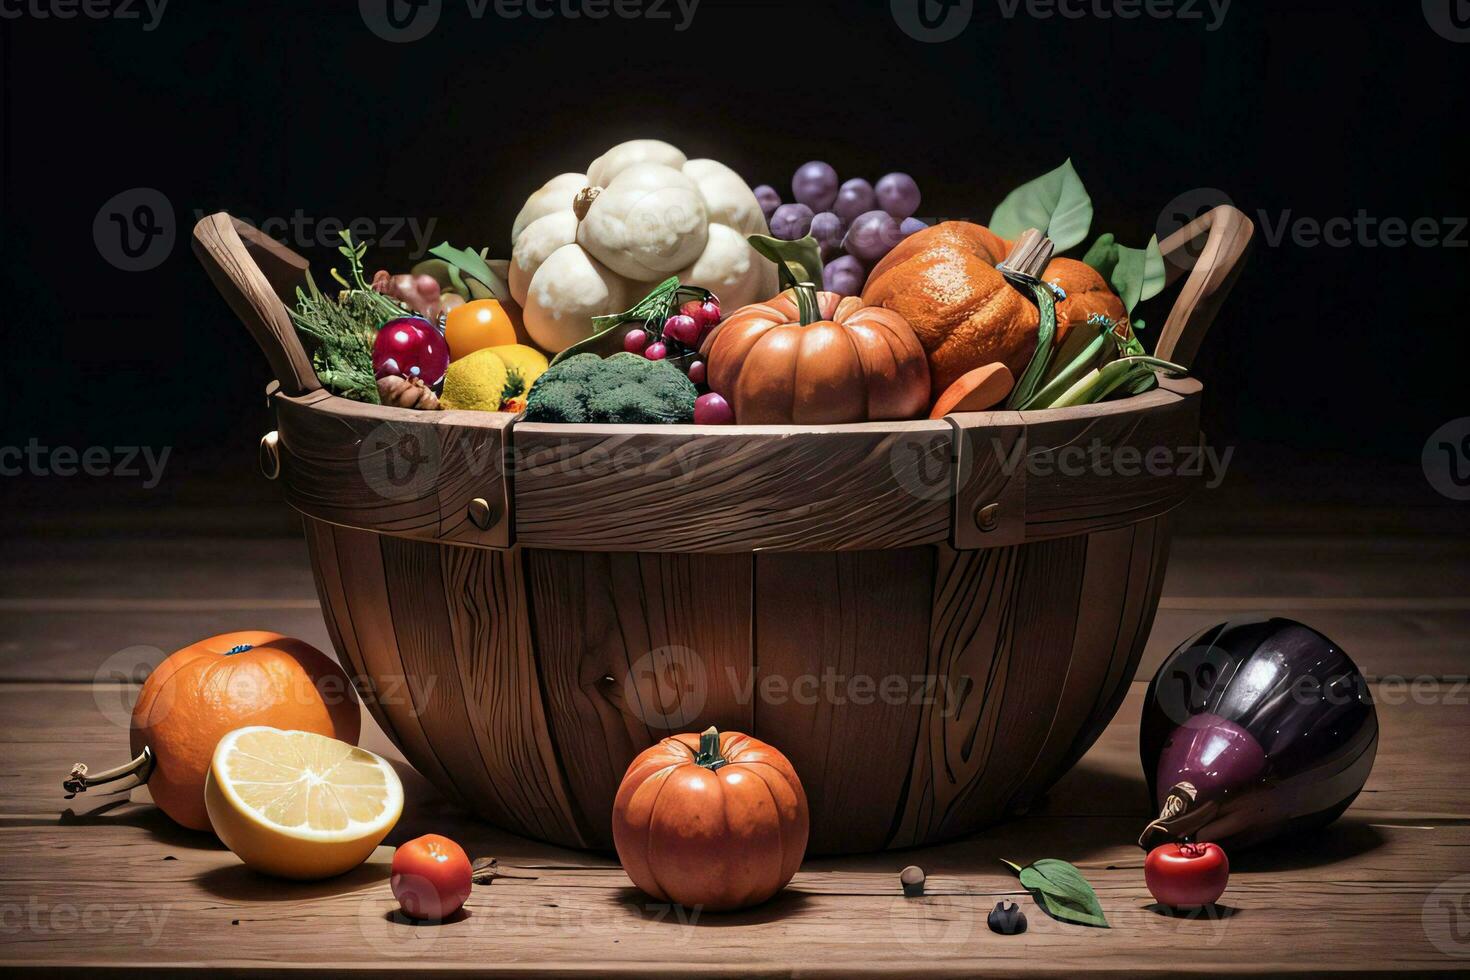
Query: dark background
1328, 369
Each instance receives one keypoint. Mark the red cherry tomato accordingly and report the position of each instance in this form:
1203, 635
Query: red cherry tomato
431, 877
1186, 875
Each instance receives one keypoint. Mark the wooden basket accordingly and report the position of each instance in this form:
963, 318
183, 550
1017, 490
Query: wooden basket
932, 619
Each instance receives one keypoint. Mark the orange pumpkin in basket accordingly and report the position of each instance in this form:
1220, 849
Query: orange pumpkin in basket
210, 688
944, 282
840, 361
716, 820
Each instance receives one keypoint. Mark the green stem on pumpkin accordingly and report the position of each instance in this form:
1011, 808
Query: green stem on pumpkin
709, 750
807, 302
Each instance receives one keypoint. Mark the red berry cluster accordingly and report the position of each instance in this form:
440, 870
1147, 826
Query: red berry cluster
687, 329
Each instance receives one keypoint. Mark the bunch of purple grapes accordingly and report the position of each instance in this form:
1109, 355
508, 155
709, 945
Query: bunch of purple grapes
854, 223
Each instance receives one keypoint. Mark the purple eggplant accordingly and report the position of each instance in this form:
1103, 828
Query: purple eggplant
1254, 729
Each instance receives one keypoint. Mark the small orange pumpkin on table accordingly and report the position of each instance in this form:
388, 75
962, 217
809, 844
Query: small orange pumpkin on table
808, 357
210, 688
717, 821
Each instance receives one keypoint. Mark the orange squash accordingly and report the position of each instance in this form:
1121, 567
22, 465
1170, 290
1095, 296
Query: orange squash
841, 362
717, 821
943, 281
208, 689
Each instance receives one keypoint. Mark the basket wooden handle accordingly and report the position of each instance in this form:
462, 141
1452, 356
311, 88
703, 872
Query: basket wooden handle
255, 274
1227, 233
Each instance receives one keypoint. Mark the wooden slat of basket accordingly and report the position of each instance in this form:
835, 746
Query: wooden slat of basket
1035, 476
632, 648
841, 637
685, 488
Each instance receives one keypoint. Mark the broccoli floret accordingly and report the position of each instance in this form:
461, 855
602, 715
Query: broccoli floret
623, 388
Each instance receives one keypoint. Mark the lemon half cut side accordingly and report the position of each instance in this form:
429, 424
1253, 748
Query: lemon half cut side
298, 804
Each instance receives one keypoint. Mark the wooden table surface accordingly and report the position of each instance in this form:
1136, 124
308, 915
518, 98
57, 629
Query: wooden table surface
111, 885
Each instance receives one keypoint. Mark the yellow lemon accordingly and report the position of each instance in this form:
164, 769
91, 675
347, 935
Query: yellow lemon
525, 364
298, 804
478, 382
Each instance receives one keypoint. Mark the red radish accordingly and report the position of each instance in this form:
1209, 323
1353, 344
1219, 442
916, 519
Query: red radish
656, 351
683, 328
634, 341
697, 372
712, 409
1186, 875
706, 313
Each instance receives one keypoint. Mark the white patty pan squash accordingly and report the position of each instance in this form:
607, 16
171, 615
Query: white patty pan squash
594, 243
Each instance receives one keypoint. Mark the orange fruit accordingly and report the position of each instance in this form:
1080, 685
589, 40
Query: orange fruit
208, 689
477, 325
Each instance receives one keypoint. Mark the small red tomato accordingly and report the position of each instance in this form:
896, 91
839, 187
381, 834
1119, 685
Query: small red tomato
431, 877
1186, 875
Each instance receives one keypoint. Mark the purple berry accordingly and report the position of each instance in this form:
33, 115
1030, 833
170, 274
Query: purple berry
855, 197
828, 230
712, 409
635, 340
911, 225
844, 276
815, 185
791, 222
768, 199
872, 236
898, 195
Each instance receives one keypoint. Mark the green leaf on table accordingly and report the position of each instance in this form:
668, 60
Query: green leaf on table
797, 262
472, 264
1055, 203
1136, 274
1062, 892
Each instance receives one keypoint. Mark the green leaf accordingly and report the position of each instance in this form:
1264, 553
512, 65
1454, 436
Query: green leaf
1136, 274
799, 261
1062, 892
472, 264
1055, 203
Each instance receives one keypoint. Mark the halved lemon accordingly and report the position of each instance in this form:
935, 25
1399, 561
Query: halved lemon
298, 804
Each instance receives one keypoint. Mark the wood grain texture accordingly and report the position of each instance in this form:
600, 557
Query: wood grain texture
255, 299
491, 652
396, 471
610, 488
173, 902
631, 648
1059, 472
1226, 232
840, 644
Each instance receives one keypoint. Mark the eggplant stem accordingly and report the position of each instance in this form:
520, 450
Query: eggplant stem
79, 781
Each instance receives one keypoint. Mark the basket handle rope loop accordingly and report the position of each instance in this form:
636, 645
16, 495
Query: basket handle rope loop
1226, 232
257, 276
